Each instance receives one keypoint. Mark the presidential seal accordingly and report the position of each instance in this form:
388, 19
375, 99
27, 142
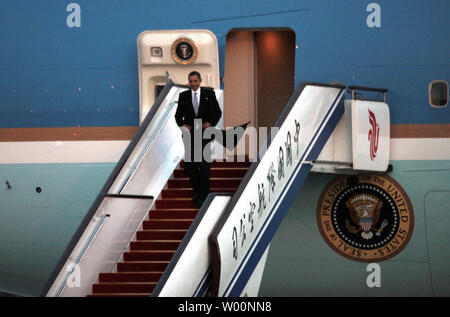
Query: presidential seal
367, 218
184, 51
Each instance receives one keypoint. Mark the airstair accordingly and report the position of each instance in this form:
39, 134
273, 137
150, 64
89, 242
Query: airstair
143, 235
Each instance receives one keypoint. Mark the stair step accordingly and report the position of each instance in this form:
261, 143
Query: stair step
161, 234
173, 214
142, 266
130, 277
217, 172
153, 255
167, 224
128, 287
189, 192
154, 245
214, 182
175, 203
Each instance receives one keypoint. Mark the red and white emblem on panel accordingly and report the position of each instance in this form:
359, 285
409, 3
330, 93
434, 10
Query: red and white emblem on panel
374, 134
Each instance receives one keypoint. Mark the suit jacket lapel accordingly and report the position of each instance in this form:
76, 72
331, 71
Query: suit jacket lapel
191, 105
201, 102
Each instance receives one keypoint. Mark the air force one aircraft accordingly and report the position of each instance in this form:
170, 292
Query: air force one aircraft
349, 196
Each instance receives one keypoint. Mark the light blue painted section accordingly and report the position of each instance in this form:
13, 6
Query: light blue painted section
300, 263
437, 212
35, 228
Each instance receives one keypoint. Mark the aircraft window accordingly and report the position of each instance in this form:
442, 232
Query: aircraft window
438, 93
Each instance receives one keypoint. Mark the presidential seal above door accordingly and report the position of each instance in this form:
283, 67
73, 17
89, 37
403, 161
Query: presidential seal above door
367, 218
184, 51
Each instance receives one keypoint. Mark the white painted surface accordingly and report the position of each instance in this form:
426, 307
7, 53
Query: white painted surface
152, 70
370, 135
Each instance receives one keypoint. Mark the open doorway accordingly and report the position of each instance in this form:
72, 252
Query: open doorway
259, 75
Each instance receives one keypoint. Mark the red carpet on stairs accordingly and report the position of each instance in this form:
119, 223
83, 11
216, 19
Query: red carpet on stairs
156, 242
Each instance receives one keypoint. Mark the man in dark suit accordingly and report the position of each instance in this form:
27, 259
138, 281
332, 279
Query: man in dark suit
197, 110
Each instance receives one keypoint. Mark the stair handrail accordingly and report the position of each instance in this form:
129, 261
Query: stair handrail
352, 89
105, 189
332, 117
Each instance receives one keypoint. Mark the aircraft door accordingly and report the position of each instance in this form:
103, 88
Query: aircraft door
164, 54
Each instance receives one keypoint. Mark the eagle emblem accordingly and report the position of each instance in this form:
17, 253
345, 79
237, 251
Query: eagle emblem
365, 212
365, 217
184, 51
